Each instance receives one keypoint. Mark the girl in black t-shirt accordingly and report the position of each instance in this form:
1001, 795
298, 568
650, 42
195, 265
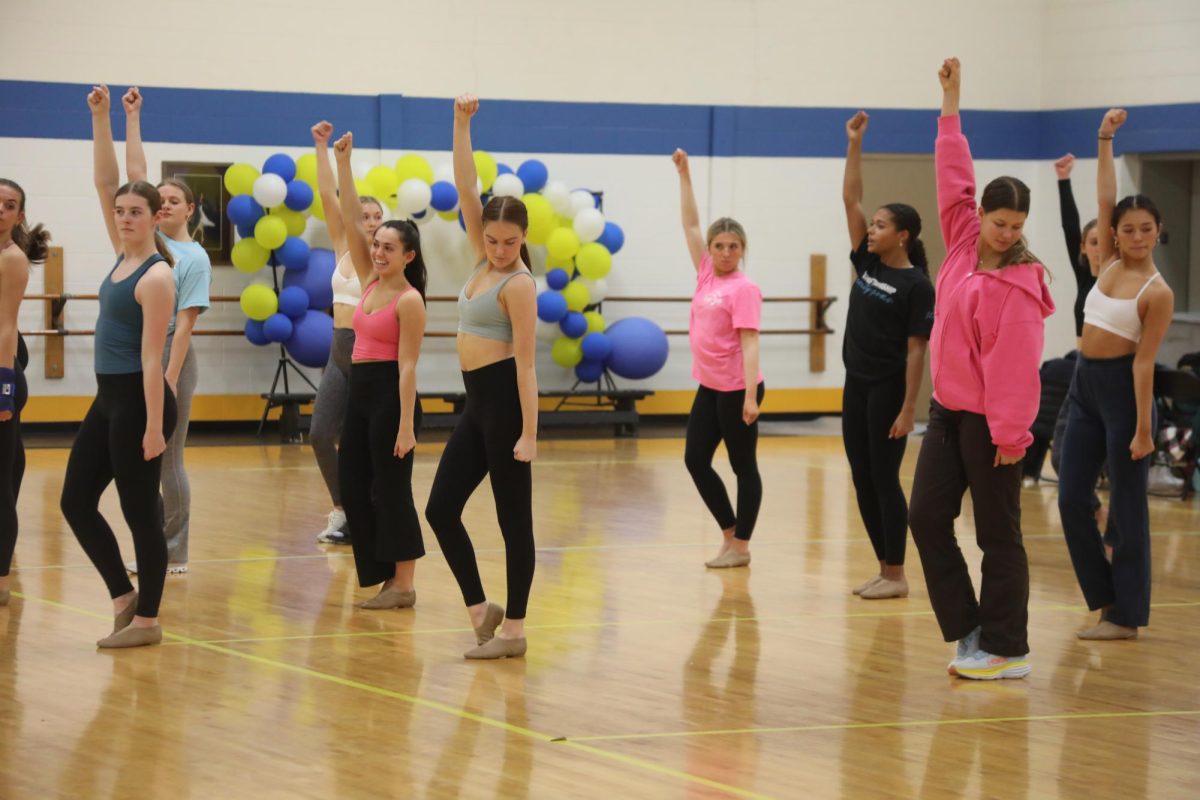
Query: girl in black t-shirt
887, 330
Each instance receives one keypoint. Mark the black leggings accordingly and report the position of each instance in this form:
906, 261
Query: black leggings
868, 411
12, 470
109, 447
482, 444
376, 487
716, 416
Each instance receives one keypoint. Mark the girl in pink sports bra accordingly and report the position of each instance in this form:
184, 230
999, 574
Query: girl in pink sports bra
383, 413
1110, 415
334, 390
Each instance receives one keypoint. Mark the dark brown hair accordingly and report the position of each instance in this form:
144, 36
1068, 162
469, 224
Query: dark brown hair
512, 210
33, 243
906, 218
410, 237
149, 193
1007, 193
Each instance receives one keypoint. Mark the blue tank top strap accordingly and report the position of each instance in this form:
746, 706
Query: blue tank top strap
118, 338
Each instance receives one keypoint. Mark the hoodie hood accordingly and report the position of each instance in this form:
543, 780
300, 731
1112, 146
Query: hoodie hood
1030, 279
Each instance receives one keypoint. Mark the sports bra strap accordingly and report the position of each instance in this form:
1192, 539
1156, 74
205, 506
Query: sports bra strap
1146, 285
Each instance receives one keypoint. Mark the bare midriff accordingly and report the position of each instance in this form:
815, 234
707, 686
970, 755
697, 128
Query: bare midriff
343, 316
1099, 343
475, 352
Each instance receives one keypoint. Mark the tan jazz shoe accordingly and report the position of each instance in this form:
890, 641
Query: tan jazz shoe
125, 616
132, 636
391, 598
498, 647
491, 620
730, 558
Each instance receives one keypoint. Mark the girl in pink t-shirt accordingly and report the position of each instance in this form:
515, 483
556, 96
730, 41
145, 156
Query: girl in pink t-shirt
726, 310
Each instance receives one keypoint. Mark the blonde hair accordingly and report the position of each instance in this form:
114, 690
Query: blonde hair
726, 225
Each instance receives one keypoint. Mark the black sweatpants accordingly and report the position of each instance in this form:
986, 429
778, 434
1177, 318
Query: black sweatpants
1101, 423
482, 444
956, 454
108, 447
868, 411
716, 417
12, 471
376, 487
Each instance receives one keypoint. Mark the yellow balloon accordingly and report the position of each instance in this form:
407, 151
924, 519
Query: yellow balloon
566, 352
485, 168
383, 181
295, 221
270, 232
449, 215
249, 256
306, 169
595, 321
562, 243
577, 295
560, 263
541, 218
259, 302
593, 261
364, 189
413, 166
240, 178
317, 209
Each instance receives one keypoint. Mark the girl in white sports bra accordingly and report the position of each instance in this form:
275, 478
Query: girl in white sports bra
334, 391
1110, 417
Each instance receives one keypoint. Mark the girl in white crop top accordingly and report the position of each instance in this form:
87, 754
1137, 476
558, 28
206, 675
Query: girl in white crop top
330, 407
1110, 409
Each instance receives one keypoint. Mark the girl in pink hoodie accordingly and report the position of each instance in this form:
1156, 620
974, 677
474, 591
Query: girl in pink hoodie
986, 346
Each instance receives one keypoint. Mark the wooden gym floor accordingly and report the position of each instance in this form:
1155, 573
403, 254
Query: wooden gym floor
647, 676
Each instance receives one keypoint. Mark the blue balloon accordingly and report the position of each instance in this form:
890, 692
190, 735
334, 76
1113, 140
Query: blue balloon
552, 307
613, 237
311, 337
639, 347
293, 253
421, 214
557, 278
316, 278
595, 346
299, 196
503, 169
280, 164
277, 328
533, 174
246, 231
573, 325
589, 371
244, 210
255, 333
443, 196
293, 302
462, 223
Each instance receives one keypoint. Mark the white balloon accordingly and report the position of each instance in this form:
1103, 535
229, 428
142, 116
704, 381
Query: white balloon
581, 199
597, 290
547, 331
539, 285
508, 185
413, 196
269, 190
426, 214
443, 172
589, 224
559, 197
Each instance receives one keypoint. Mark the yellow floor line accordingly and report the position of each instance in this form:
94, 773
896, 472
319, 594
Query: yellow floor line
421, 702
917, 723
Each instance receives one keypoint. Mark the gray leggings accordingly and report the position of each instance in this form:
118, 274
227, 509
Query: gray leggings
176, 491
329, 410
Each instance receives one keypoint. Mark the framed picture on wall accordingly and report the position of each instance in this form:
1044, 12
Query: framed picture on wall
209, 225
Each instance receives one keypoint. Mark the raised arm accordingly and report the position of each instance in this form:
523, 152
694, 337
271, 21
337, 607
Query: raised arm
687, 206
327, 189
135, 154
1068, 212
952, 164
410, 310
355, 236
1106, 182
466, 179
105, 173
852, 185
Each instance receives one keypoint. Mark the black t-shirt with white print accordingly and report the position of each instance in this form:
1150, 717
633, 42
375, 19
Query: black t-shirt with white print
887, 306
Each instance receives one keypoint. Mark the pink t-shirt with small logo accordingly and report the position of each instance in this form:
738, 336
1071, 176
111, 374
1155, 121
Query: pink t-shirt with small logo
721, 307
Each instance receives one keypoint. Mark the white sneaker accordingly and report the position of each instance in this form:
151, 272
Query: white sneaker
334, 532
967, 646
984, 666
172, 569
